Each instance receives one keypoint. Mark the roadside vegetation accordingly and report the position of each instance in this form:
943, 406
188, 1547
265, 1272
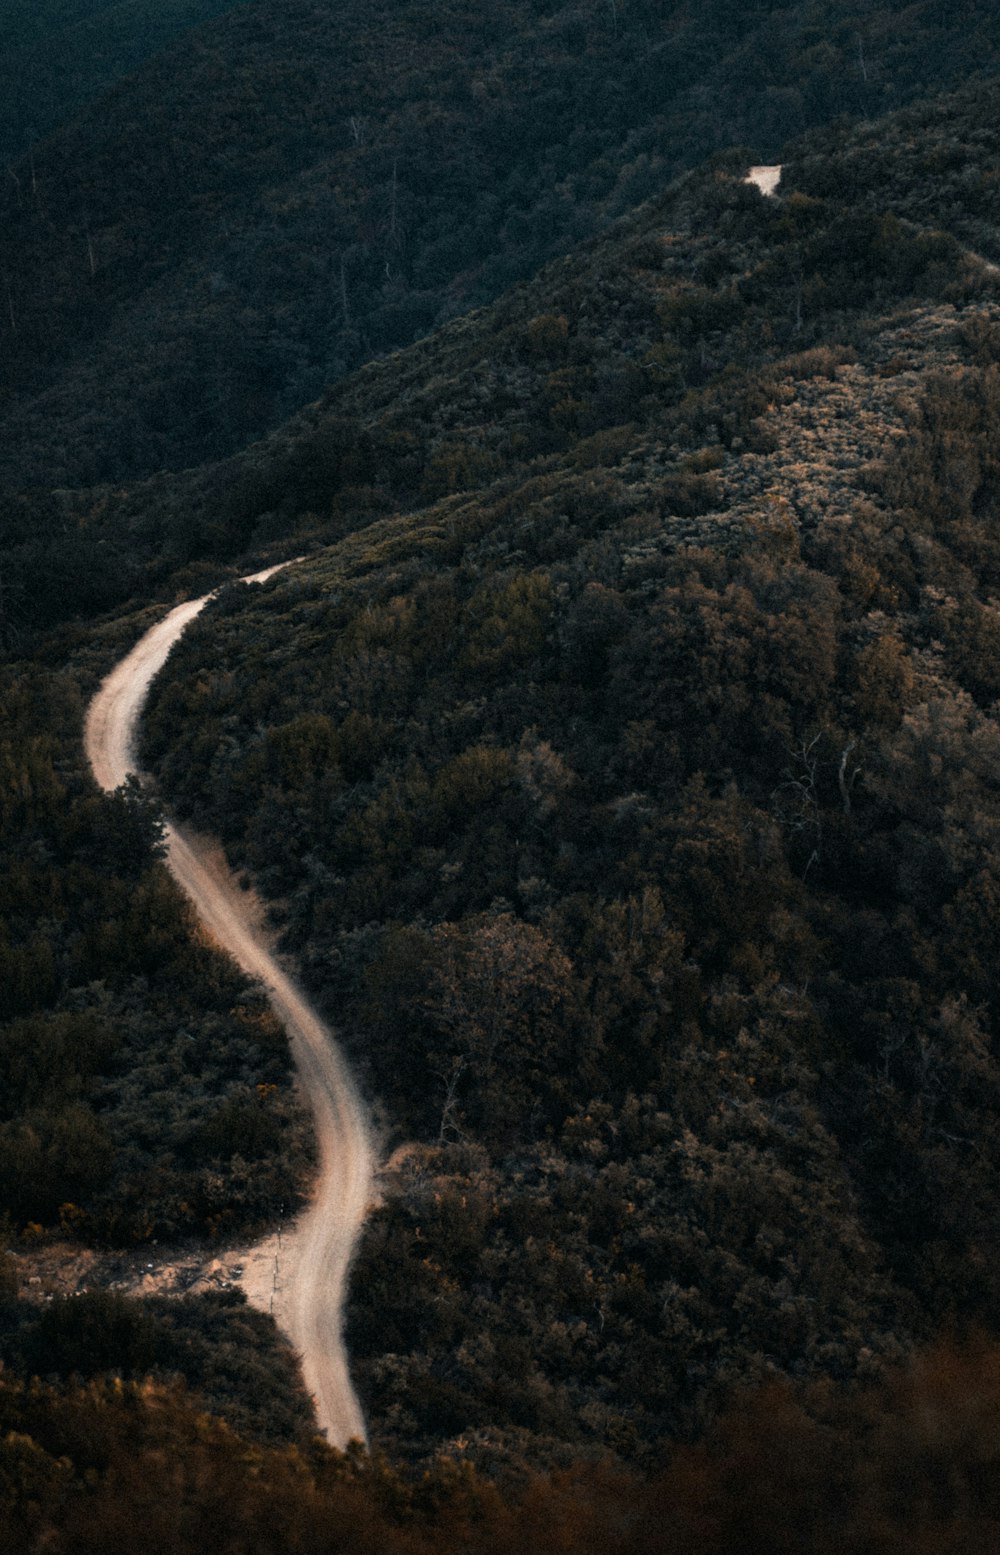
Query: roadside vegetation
229, 1359
145, 1089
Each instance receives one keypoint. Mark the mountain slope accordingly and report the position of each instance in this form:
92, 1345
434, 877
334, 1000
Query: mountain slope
633, 800
624, 773
295, 188
773, 1478
413, 425
57, 55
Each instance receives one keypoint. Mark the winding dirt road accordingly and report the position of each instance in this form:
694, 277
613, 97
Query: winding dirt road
325, 1236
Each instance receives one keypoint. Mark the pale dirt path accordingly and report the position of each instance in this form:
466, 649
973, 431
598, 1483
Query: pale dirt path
767, 179
314, 1268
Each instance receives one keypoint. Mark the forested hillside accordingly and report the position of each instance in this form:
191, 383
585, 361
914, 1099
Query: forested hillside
57, 55
144, 1086
370, 446
621, 766
298, 187
631, 804
911, 1467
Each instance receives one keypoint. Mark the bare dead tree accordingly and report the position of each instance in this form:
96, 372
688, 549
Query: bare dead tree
795, 802
344, 305
449, 1111
9, 632
34, 183
798, 281
394, 203
91, 257
846, 780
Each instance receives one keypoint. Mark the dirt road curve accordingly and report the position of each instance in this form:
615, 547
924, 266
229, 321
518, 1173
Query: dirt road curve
767, 179
326, 1234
